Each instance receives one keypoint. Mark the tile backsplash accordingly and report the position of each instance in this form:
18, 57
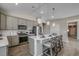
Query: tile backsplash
11, 32
8, 32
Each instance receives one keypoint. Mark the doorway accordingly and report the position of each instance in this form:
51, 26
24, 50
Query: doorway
72, 30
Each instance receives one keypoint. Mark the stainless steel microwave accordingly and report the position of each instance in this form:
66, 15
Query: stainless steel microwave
22, 27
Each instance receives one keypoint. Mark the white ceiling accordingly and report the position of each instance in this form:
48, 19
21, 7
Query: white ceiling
25, 10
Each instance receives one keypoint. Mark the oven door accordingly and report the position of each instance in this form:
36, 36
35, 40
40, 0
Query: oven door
23, 39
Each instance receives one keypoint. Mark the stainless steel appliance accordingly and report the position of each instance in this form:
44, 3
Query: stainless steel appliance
23, 37
22, 27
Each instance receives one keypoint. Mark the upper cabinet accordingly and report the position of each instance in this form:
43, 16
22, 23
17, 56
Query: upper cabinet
28, 23
12, 23
21, 21
2, 21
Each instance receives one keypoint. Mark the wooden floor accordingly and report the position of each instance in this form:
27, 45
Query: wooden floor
20, 50
71, 48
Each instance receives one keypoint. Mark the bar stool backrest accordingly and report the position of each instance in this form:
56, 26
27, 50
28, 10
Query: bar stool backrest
53, 42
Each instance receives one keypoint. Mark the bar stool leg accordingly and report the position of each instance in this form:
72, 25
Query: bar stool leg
51, 51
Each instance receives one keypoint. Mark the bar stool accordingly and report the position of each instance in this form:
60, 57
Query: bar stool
58, 45
61, 41
48, 47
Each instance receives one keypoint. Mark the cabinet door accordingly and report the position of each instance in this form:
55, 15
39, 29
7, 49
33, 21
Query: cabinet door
0, 20
15, 40
9, 40
21, 22
3, 21
24, 22
11, 23
29, 25
14, 23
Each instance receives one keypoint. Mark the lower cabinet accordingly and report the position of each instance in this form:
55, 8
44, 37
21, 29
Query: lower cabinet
4, 51
13, 40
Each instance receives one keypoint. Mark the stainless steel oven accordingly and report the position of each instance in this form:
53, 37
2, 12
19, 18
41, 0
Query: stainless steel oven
23, 38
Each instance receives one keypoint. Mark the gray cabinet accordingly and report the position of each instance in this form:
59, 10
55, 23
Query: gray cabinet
12, 23
4, 51
29, 24
22, 22
13, 40
2, 21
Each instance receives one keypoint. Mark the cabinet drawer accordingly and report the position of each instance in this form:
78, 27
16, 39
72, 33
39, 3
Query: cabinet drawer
10, 40
13, 40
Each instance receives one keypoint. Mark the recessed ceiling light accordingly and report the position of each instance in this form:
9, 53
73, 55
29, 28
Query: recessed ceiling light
52, 16
16, 3
42, 12
33, 6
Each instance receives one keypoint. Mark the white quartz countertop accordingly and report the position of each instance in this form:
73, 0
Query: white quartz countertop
40, 38
4, 41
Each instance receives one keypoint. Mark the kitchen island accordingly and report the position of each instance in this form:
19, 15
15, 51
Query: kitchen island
35, 44
3, 46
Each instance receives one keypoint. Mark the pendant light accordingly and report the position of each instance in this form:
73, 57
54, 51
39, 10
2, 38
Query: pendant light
48, 23
53, 24
53, 9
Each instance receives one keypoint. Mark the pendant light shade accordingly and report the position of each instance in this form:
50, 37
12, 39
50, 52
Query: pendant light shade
48, 23
53, 24
39, 21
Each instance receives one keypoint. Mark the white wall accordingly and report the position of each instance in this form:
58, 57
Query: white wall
55, 29
62, 26
63, 30
77, 30
9, 32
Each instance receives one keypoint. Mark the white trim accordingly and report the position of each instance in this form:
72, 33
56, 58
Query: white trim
35, 47
75, 20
